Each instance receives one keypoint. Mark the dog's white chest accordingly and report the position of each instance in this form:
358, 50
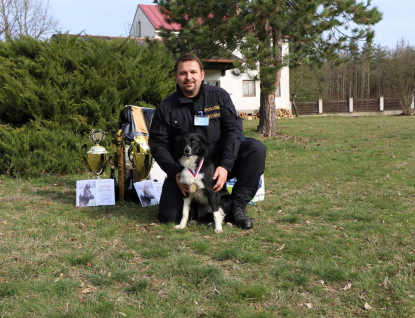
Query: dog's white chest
190, 174
187, 178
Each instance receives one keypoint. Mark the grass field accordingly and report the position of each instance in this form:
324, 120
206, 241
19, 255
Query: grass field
333, 238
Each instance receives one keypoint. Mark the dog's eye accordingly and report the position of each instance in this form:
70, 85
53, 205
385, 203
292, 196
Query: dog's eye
193, 142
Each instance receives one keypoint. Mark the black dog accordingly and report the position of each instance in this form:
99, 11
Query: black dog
198, 175
85, 196
146, 196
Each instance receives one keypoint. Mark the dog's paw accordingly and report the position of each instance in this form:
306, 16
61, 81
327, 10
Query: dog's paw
180, 227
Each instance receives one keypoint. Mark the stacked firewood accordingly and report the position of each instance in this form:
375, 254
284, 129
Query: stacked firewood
283, 113
248, 116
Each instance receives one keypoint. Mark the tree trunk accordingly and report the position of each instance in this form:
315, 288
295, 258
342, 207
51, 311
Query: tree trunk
268, 120
267, 123
368, 80
405, 100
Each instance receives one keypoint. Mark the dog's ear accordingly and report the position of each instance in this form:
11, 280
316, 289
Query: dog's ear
203, 141
203, 145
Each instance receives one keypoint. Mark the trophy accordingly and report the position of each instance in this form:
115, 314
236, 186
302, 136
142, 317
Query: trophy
96, 157
139, 155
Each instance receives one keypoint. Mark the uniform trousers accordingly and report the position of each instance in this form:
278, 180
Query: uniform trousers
248, 168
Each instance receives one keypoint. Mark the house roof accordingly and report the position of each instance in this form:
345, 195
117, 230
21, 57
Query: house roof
218, 64
157, 19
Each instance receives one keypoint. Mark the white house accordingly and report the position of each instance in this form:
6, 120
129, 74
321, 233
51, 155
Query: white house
244, 90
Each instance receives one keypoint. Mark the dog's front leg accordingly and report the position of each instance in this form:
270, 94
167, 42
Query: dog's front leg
218, 213
185, 214
218, 218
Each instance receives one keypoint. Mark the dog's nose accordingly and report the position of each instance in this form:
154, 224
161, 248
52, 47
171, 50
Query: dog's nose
187, 150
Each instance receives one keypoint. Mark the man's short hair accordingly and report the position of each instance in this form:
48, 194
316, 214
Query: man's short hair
186, 58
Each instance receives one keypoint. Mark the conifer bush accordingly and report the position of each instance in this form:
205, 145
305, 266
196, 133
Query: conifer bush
52, 93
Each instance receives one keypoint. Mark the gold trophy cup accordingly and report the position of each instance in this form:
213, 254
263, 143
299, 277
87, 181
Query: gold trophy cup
96, 157
139, 155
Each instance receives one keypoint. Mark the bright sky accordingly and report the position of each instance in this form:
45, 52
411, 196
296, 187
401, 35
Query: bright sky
114, 17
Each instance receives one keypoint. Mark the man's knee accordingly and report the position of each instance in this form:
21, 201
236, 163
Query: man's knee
260, 149
170, 212
250, 163
171, 202
254, 149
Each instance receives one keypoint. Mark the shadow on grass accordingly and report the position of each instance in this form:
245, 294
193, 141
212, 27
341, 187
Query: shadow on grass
62, 191
127, 209
64, 197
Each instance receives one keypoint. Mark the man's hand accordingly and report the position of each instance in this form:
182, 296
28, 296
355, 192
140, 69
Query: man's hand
220, 175
184, 188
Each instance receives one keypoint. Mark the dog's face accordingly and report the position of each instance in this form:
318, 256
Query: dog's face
87, 192
191, 144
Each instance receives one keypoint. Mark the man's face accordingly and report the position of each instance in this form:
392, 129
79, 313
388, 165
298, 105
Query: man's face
189, 77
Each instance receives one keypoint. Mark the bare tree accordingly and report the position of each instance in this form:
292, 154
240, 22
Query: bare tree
399, 73
26, 17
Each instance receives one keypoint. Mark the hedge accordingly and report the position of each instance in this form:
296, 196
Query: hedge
52, 93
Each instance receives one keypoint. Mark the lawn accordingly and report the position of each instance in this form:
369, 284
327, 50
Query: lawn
334, 237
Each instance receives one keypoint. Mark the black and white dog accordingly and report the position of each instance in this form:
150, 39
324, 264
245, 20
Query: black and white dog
198, 173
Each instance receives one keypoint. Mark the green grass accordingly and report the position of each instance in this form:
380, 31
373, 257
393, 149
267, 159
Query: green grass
336, 231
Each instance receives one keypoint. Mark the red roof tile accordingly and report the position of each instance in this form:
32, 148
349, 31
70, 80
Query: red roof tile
157, 19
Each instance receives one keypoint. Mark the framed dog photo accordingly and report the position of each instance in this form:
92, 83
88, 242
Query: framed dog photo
147, 193
95, 192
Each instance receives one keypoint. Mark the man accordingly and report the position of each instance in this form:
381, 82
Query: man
209, 111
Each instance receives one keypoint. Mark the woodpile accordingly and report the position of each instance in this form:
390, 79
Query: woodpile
281, 113
248, 116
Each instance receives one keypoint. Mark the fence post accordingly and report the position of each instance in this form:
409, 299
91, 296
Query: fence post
351, 105
381, 103
320, 106
412, 104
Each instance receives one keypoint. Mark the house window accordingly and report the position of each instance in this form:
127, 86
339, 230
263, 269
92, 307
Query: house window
212, 83
249, 88
139, 29
278, 90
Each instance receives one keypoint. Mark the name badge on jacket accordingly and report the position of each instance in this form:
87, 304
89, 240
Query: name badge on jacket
201, 120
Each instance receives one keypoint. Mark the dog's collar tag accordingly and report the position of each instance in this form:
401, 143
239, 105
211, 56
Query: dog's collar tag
201, 120
194, 174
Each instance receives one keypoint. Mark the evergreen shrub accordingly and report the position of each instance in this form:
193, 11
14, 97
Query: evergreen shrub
52, 93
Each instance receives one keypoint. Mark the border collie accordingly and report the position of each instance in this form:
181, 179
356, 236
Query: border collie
198, 175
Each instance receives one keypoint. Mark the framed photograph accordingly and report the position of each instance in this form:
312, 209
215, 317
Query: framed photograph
147, 192
95, 192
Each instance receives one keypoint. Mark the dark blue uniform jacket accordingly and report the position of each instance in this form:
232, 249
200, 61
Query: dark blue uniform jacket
175, 116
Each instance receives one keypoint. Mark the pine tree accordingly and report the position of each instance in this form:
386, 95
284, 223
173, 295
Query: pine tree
317, 29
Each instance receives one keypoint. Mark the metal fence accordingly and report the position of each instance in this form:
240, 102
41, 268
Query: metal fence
307, 108
392, 104
347, 106
335, 106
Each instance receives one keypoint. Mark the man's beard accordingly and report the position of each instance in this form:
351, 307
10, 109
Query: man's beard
190, 89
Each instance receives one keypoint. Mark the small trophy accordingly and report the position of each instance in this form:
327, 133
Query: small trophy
96, 157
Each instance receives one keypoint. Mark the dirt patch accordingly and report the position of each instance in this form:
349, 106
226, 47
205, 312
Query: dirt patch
285, 137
